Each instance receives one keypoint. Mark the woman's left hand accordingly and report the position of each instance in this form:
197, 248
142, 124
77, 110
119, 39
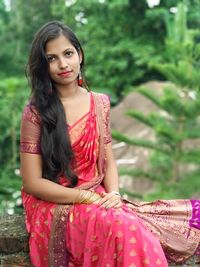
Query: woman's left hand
111, 200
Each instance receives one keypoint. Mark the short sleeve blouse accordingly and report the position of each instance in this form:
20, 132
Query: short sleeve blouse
30, 131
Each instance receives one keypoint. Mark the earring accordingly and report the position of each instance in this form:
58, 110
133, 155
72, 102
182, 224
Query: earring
80, 79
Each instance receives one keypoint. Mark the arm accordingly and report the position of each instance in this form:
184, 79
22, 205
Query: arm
34, 184
31, 167
111, 180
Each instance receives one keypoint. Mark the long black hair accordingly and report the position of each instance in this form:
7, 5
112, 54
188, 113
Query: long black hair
57, 154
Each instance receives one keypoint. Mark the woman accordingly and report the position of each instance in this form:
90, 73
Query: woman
74, 212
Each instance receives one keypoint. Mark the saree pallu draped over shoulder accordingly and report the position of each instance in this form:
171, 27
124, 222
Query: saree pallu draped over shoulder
94, 236
58, 255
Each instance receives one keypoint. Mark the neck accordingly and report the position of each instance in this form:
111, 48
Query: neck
69, 91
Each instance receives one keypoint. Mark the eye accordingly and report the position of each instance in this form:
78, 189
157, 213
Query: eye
69, 53
50, 58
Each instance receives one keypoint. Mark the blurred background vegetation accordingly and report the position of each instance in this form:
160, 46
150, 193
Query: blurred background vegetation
126, 44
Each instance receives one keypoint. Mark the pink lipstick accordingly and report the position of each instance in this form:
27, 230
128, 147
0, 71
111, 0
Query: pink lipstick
65, 74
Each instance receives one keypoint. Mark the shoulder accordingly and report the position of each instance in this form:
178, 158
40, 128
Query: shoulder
103, 102
103, 97
31, 114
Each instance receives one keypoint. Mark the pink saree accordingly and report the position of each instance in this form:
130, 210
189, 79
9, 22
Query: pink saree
89, 235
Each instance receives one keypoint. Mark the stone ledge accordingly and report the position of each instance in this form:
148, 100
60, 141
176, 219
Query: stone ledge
192, 262
13, 236
15, 260
13, 242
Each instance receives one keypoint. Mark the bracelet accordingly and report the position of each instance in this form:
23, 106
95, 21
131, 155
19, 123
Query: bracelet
116, 193
87, 197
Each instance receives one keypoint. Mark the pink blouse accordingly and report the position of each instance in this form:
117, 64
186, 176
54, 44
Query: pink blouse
31, 126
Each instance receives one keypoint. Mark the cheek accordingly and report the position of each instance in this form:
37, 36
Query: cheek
76, 62
52, 69
77, 66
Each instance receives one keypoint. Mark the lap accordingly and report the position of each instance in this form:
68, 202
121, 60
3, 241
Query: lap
97, 233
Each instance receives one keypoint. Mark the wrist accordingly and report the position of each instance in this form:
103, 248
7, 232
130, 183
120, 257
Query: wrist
87, 197
115, 193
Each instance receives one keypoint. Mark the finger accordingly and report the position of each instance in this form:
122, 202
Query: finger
110, 201
112, 204
103, 200
118, 206
103, 194
130, 206
107, 198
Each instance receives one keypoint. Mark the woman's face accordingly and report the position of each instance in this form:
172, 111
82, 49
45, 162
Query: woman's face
64, 61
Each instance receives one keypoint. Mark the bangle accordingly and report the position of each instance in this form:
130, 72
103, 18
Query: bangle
116, 193
87, 197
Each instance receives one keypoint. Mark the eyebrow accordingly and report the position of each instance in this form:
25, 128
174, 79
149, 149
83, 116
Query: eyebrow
51, 54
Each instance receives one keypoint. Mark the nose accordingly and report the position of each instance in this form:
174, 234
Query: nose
63, 64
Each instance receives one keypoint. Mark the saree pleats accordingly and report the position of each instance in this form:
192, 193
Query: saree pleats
99, 237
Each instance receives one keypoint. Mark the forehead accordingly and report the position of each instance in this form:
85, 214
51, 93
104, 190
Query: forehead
60, 44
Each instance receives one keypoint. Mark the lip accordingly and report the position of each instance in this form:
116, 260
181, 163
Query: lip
65, 74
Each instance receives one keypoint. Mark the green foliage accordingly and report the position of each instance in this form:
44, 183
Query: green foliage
174, 158
175, 125
13, 96
120, 38
139, 173
10, 194
137, 142
181, 50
